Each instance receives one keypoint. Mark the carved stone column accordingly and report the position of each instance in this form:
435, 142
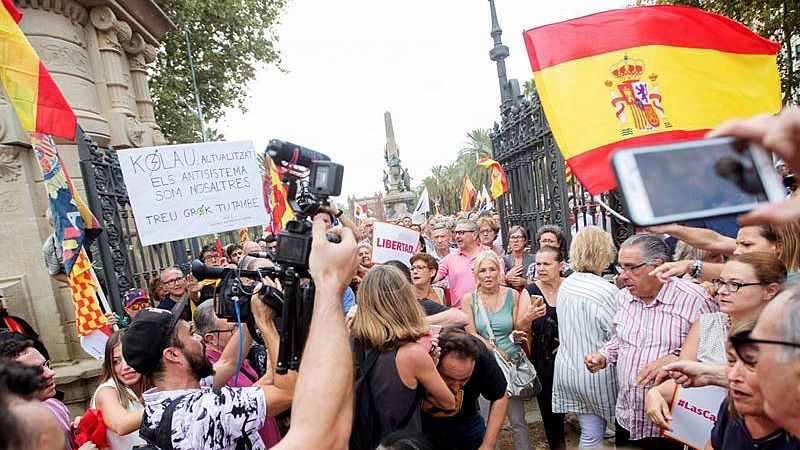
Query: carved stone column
140, 55
125, 129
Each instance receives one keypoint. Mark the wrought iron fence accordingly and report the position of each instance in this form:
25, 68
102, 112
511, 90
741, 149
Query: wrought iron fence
124, 262
539, 191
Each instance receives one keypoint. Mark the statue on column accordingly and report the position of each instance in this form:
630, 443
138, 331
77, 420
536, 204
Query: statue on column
400, 199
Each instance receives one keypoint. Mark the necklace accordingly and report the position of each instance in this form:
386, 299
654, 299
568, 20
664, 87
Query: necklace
495, 298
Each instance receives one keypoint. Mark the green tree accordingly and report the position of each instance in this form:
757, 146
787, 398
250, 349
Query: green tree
772, 19
230, 39
445, 181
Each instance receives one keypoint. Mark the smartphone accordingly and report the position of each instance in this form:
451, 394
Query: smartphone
695, 180
427, 339
537, 300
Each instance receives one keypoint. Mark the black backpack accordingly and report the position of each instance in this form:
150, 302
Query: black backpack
367, 428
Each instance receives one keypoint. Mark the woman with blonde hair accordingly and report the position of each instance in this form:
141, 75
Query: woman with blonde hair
585, 322
509, 314
386, 327
119, 397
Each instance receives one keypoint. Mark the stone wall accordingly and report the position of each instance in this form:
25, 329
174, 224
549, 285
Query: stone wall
97, 52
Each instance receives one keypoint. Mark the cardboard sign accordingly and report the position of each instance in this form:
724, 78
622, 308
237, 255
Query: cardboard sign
391, 241
181, 191
694, 413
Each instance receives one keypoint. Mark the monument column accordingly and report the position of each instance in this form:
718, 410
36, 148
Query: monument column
399, 200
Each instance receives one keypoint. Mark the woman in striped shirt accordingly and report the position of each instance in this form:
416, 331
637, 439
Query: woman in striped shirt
585, 316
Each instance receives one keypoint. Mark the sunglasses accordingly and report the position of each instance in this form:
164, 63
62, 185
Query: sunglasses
747, 348
137, 305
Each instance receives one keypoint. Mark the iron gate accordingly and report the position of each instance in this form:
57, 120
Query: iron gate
539, 191
124, 262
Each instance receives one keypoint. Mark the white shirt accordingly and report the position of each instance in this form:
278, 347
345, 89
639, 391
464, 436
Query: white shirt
586, 309
210, 419
115, 441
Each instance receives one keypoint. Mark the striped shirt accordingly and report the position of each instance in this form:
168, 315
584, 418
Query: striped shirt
585, 323
59, 410
645, 333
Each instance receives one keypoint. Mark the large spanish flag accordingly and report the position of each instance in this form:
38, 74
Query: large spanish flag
646, 75
467, 193
37, 100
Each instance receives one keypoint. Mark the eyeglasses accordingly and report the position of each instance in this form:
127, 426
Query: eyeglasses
217, 332
747, 348
135, 306
463, 232
48, 364
488, 231
516, 238
731, 286
622, 269
418, 268
210, 257
172, 281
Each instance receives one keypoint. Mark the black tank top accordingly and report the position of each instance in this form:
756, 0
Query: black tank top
393, 399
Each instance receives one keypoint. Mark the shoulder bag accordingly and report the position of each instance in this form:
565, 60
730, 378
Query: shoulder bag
520, 374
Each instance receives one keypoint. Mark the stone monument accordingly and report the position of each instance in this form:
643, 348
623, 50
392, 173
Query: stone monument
399, 200
98, 52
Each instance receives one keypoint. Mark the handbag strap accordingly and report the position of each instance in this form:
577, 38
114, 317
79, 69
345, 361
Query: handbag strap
482, 310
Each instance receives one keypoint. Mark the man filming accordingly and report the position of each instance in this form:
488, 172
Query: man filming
229, 418
183, 408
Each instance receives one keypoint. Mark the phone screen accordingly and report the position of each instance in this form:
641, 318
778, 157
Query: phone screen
701, 177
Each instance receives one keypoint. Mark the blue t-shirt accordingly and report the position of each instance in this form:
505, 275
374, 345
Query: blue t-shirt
348, 300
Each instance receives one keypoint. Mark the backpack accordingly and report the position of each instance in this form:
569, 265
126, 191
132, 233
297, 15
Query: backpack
367, 428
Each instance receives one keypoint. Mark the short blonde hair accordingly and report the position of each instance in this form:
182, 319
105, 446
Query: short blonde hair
592, 250
388, 315
482, 258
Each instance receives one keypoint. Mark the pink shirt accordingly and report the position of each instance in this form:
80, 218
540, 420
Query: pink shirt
62, 417
644, 333
457, 267
269, 432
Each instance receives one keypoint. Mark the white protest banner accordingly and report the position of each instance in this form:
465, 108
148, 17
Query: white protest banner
694, 413
180, 191
391, 241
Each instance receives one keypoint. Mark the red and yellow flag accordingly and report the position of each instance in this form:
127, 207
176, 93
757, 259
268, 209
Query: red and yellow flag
467, 194
88, 315
37, 100
243, 235
646, 75
281, 210
498, 177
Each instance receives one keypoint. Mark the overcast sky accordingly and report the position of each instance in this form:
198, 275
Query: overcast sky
425, 61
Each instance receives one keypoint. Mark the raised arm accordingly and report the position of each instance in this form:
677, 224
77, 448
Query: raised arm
452, 318
700, 238
117, 419
322, 411
225, 367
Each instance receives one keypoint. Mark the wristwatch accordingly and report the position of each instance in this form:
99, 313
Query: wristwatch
339, 214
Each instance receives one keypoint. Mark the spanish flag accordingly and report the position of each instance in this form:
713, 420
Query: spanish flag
37, 100
467, 194
498, 177
281, 210
646, 75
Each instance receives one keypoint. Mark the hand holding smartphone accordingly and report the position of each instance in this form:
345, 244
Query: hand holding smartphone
695, 179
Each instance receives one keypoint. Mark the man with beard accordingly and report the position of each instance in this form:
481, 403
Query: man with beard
183, 407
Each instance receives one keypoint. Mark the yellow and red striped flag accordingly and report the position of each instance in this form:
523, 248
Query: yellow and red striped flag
498, 177
37, 100
467, 194
243, 235
646, 75
282, 212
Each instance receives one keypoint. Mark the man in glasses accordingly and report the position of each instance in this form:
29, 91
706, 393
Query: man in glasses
651, 322
457, 266
774, 348
175, 282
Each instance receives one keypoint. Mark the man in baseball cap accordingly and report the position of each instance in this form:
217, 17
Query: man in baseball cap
162, 346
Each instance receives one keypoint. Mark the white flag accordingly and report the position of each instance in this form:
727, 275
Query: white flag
423, 207
487, 198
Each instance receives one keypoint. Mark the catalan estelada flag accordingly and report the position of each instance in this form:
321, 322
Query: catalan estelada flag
646, 75
37, 100
499, 182
467, 194
281, 210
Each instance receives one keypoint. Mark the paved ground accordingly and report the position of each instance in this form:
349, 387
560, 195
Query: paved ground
537, 431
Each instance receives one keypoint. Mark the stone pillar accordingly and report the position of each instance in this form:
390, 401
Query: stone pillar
97, 52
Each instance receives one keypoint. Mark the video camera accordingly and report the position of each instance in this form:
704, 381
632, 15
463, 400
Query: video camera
311, 178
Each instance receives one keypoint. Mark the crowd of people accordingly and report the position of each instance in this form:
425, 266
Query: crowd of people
439, 352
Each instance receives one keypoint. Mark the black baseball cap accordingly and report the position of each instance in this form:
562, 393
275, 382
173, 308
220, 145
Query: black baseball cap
145, 339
